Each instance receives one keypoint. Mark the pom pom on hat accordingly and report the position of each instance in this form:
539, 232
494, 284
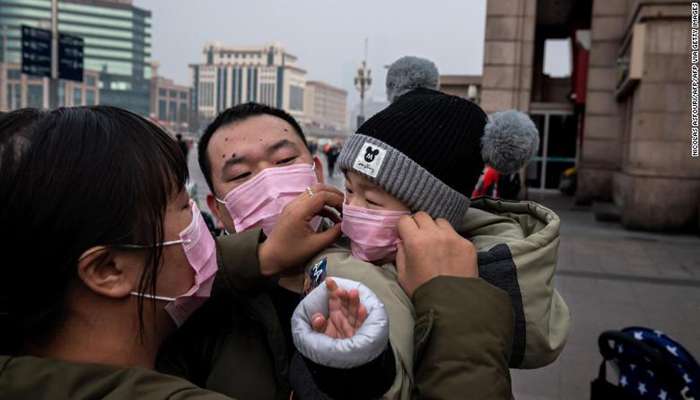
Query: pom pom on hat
408, 73
510, 140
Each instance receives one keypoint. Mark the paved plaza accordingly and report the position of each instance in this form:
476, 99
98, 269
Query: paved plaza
612, 278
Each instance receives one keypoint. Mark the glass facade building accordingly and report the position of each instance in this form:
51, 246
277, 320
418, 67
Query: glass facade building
117, 42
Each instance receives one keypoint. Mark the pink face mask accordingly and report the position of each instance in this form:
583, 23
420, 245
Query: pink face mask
373, 233
200, 250
260, 201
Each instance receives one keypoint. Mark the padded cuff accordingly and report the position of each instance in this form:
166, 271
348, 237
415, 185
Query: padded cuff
368, 342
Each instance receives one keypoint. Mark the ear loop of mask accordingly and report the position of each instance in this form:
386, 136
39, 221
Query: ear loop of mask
141, 246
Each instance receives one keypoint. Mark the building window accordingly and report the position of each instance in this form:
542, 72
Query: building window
14, 96
206, 94
162, 92
35, 96
90, 98
14, 74
183, 95
173, 93
61, 93
184, 111
557, 62
77, 97
120, 86
90, 81
17, 92
296, 98
172, 112
162, 110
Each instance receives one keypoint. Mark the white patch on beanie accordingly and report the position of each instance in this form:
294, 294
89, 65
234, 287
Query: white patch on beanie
369, 160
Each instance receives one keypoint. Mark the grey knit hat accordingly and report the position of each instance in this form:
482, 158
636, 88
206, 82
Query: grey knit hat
424, 149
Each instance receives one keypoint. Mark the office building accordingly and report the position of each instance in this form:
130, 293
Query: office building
325, 106
19, 91
229, 75
117, 39
170, 103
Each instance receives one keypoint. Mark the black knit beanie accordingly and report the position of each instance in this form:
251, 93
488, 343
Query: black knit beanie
424, 149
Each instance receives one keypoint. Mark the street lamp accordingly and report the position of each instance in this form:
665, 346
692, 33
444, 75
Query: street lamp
363, 81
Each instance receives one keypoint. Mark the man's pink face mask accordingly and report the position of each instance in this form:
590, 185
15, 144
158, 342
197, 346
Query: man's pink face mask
260, 201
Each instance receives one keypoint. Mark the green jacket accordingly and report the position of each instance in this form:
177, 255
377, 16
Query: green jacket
337, 261
517, 244
229, 350
35, 378
218, 351
457, 361
235, 344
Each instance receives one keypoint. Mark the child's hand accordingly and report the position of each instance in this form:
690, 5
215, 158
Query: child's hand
346, 314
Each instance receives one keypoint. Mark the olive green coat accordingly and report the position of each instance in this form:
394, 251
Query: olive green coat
517, 244
465, 348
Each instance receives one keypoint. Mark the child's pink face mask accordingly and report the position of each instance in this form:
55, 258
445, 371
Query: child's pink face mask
373, 233
260, 201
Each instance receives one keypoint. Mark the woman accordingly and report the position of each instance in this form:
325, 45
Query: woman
108, 254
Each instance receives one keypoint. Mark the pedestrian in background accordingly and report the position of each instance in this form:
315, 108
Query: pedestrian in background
183, 145
497, 185
313, 147
332, 152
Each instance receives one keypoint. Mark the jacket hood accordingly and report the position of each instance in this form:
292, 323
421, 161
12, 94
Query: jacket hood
523, 239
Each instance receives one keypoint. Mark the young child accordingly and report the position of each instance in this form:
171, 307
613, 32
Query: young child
424, 153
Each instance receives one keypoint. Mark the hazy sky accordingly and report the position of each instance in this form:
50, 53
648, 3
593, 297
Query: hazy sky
326, 35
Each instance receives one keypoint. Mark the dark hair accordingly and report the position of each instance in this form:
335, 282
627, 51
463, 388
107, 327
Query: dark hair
83, 177
236, 114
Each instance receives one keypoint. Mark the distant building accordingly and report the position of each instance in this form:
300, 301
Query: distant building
466, 86
117, 43
233, 75
170, 103
621, 118
19, 91
325, 106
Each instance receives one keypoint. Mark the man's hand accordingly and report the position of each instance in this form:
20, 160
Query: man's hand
346, 314
431, 248
293, 242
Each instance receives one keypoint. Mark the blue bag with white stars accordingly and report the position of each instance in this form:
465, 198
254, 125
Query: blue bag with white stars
651, 365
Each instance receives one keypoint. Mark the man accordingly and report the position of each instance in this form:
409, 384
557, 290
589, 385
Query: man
236, 147
249, 357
